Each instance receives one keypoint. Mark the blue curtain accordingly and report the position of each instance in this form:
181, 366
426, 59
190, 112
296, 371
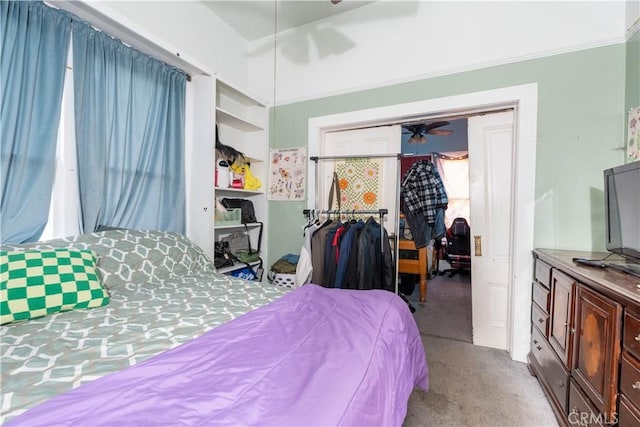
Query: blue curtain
129, 112
34, 42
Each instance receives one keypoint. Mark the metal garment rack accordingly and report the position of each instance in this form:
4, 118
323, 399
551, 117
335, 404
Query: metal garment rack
380, 212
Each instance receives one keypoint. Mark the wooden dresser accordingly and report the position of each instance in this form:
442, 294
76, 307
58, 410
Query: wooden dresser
585, 340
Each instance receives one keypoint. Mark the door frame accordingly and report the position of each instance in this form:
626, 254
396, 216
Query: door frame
524, 100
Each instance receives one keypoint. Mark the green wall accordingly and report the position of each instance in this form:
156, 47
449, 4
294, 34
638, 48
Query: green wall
581, 99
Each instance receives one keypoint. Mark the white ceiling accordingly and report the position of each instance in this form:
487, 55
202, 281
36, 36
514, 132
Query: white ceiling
255, 19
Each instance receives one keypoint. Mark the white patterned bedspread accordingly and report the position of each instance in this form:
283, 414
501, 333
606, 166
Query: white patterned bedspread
164, 292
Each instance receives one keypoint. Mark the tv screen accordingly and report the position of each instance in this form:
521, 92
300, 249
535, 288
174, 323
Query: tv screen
622, 210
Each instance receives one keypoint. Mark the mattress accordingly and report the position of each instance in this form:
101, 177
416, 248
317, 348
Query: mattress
315, 357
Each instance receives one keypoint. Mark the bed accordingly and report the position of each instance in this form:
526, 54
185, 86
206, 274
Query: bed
179, 344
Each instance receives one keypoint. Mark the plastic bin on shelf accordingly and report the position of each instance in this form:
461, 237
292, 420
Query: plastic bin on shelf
228, 217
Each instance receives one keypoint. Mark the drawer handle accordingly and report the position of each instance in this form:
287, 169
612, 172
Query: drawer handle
638, 338
540, 320
539, 348
560, 383
636, 386
535, 341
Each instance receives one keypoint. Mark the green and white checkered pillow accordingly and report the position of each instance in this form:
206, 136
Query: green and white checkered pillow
34, 283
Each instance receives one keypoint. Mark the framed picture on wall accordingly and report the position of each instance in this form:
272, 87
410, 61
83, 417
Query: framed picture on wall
633, 135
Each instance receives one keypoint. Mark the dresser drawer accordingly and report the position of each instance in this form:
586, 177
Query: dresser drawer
543, 273
629, 415
631, 328
540, 296
540, 319
581, 410
553, 372
630, 377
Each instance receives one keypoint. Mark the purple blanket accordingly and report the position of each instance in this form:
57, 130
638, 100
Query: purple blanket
315, 356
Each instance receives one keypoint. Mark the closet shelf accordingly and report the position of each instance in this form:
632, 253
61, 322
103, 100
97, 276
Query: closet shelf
230, 90
237, 266
233, 226
229, 119
230, 190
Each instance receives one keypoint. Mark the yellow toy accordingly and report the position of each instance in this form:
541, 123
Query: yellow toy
250, 180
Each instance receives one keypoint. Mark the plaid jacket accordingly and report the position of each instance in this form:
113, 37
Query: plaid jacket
423, 190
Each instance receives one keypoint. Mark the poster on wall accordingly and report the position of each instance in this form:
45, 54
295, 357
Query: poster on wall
287, 173
633, 135
360, 184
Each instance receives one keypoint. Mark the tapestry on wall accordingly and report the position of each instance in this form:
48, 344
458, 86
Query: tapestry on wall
360, 183
287, 173
633, 135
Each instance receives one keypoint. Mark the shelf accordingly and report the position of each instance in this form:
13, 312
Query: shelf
242, 123
236, 190
229, 90
237, 266
227, 118
249, 225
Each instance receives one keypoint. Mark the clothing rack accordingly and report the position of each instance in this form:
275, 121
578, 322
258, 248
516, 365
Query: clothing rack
381, 212
394, 235
309, 213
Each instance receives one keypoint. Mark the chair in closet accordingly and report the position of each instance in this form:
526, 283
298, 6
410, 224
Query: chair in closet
458, 248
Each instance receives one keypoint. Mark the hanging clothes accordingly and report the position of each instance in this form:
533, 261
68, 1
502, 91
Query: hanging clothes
318, 242
376, 269
348, 252
355, 255
424, 202
304, 268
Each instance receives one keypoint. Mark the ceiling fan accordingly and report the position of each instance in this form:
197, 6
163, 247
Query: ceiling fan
419, 131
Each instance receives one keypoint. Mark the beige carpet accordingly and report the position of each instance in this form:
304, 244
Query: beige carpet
469, 385
447, 312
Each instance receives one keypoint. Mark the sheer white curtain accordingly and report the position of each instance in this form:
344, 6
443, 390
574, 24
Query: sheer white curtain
64, 212
454, 171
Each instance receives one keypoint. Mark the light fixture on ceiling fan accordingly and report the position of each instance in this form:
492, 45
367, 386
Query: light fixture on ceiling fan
419, 131
335, 1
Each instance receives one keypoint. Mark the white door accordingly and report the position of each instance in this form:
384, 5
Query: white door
490, 171
383, 140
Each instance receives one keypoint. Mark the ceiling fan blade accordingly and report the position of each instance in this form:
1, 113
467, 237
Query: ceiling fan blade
434, 125
440, 132
335, 1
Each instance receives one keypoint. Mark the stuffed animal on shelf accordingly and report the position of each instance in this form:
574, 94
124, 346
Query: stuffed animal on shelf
251, 182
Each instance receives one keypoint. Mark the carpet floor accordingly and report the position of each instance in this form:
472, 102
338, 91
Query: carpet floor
469, 385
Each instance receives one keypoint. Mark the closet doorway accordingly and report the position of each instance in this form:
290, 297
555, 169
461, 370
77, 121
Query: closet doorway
447, 311
513, 292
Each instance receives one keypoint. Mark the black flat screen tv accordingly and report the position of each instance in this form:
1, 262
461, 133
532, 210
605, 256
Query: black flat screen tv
622, 210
